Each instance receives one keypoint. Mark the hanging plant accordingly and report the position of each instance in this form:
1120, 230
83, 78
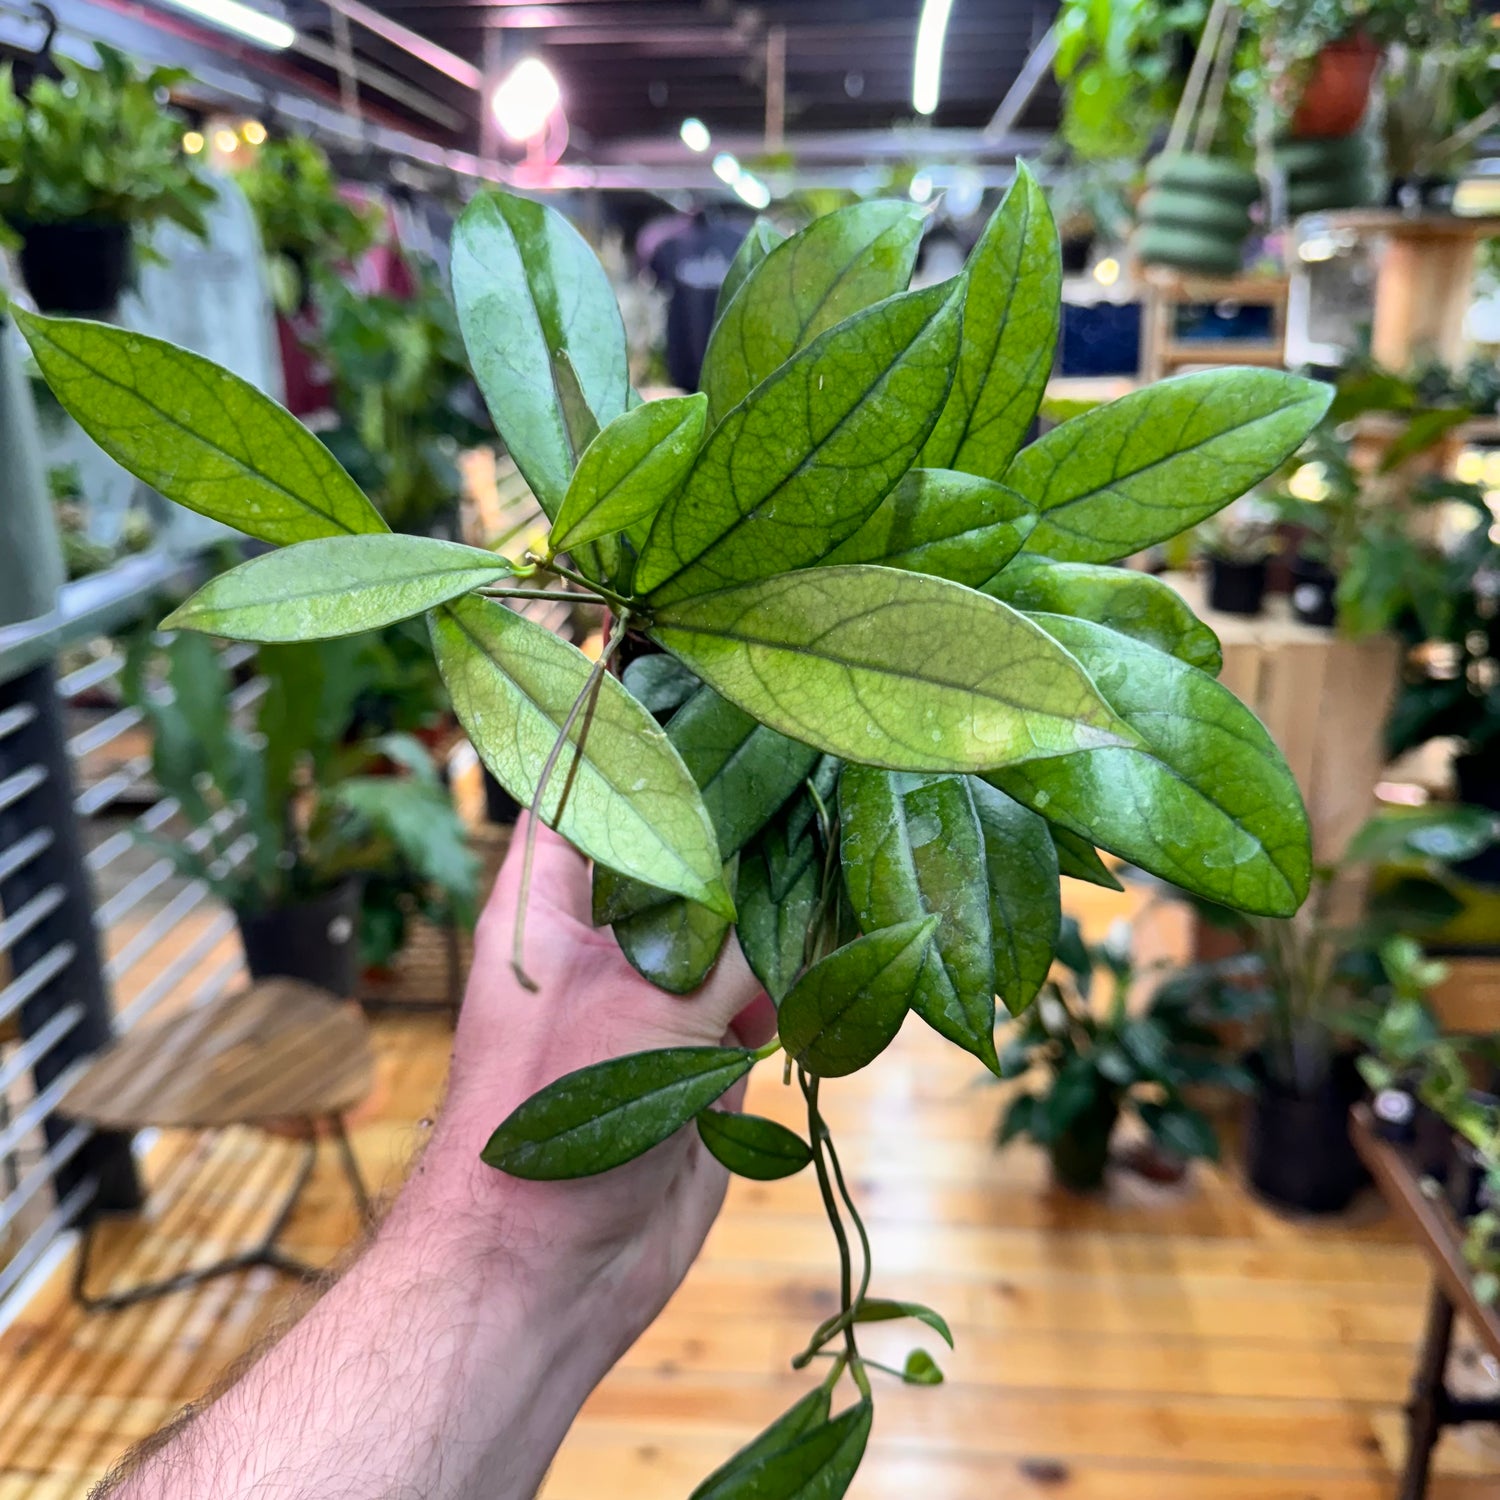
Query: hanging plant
900, 693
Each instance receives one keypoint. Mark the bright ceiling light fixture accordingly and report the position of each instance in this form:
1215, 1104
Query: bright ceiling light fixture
525, 99
752, 190
243, 20
695, 134
727, 168
927, 68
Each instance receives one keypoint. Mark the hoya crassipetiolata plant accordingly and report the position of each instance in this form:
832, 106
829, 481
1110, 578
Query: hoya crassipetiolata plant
881, 688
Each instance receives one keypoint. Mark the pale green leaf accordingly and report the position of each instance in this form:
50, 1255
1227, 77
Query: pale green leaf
761, 240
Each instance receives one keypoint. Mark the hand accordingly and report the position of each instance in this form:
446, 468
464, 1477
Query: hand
634, 1230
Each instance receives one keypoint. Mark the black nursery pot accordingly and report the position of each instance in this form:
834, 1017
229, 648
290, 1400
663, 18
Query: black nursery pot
1236, 588
499, 806
1313, 588
76, 268
1478, 778
1298, 1152
316, 941
1080, 1155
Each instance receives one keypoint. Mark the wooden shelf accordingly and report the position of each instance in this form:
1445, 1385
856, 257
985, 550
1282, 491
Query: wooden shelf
1178, 352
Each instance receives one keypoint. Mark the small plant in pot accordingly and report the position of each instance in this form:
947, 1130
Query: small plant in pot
1237, 544
1101, 1060
88, 166
285, 814
876, 738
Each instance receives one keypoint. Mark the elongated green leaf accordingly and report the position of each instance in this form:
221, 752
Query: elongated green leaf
891, 669
762, 239
335, 586
846, 1010
627, 471
1025, 900
605, 1115
804, 459
674, 943
777, 897
1135, 604
810, 1412
660, 682
819, 1465
839, 264
753, 1147
938, 521
911, 847
1078, 859
630, 802
881, 1310
1014, 283
528, 290
1159, 460
197, 433
1207, 803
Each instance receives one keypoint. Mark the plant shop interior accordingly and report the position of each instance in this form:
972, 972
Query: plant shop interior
931, 925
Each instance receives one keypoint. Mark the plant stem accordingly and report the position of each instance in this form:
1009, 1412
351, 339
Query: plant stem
619, 601
561, 596
859, 1223
590, 687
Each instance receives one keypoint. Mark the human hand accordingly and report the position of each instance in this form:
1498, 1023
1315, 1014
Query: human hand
636, 1229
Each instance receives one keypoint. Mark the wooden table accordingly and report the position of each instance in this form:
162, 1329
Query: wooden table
279, 1054
1436, 1230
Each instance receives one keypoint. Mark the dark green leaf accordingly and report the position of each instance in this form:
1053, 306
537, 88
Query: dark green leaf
630, 469
1157, 461
1025, 901
673, 943
1181, 1130
1014, 280
1444, 834
846, 1010
1073, 955
820, 1465
752, 1147
197, 433
660, 682
911, 847
605, 1115
1076, 1089
891, 669
777, 898
335, 586
921, 1369
1020, 1119
1135, 604
938, 521
1079, 859
807, 1414
841, 263
804, 459
761, 240
882, 1310
529, 290
630, 802
1208, 803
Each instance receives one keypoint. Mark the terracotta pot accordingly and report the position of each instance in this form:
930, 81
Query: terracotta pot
1337, 91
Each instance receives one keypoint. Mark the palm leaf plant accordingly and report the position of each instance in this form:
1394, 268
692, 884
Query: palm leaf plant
900, 692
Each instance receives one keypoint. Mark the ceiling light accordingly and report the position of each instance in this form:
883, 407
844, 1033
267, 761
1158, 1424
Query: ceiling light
226, 140
695, 134
727, 168
921, 187
244, 20
192, 142
525, 99
752, 190
927, 68
254, 132
1107, 272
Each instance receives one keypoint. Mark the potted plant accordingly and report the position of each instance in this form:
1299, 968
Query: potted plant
88, 166
863, 779
1319, 58
1237, 544
1101, 1060
287, 816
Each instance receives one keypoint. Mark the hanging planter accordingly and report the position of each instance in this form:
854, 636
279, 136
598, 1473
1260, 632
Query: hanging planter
1341, 172
77, 267
1336, 94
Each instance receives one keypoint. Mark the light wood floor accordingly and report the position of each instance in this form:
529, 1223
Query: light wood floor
1163, 1344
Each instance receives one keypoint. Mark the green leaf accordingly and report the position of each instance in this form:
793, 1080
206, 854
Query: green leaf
630, 469
777, 899
335, 586
807, 1414
1019, 1119
956, 526
612, 1112
197, 433
911, 847
921, 1369
846, 1010
1135, 604
1445, 834
529, 290
762, 239
883, 1310
1079, 859
839, 264
817, 1466
1014, 283
630, 802
890, 669
673, 943
1025, 901
752, 1147
660, 682
1208, 802
1141, 469
1182, 1130
803, 460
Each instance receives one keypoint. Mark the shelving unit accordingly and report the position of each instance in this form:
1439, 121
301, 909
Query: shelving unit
1165, 292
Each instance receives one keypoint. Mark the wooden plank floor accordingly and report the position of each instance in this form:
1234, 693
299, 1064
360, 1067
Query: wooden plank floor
1162, 1344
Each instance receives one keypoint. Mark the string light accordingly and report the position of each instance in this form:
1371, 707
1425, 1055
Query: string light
226, 140
695, 134
525, 98
254, 132
192, 142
